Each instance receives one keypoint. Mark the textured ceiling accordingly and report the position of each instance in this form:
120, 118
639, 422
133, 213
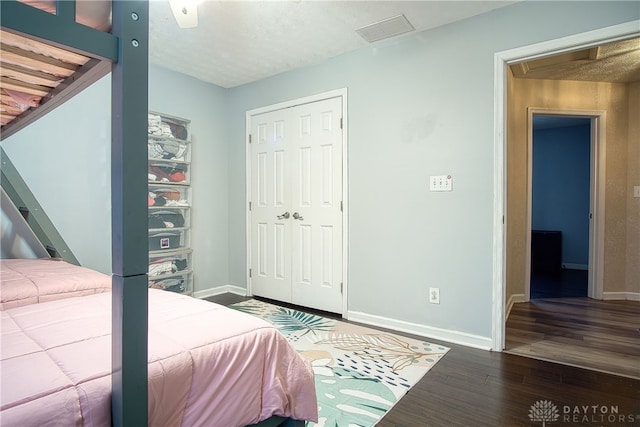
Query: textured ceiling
617, 62
237, 42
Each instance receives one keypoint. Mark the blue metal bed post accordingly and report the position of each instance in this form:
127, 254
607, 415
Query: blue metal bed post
129, 97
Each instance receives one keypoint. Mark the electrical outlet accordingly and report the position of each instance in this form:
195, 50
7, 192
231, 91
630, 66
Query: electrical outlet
434, 295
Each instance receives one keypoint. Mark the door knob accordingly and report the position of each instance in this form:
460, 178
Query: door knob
284, 216
296, 215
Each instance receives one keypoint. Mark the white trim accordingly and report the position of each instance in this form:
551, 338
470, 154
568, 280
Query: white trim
232, 289
501, 59
247, 195
572, 266
514, 299
597, 205
498, 318
426, 331
337, 93
629, 296
299, 101
345, 203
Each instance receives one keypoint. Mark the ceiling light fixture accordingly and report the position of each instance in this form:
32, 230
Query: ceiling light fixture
386, 28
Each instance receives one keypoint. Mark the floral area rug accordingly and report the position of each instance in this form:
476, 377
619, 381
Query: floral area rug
360, 372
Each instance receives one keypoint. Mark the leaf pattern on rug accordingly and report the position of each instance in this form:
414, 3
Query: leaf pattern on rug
349, 398
293, 321
378, 346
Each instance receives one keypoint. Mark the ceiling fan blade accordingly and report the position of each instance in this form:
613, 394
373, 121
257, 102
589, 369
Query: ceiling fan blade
185, 12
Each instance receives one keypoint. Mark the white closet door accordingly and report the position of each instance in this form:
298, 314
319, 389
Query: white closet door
316, 195
271, 203
296, 195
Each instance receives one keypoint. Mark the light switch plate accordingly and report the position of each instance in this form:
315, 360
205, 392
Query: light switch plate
441, 183
636, 191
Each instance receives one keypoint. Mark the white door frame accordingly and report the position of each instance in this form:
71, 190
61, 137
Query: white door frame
597, 173
501, 62
345, 184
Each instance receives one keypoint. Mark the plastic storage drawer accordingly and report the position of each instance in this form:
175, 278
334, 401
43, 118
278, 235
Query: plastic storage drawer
168, 218
166, 240
160, 171
180, 283
162, 195
169, 263
167, 149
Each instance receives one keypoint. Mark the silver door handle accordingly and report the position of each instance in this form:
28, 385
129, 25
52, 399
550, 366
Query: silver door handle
296, 215
284, 216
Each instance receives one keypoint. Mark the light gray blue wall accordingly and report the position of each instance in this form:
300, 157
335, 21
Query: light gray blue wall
65, 160
418, 106
560, 186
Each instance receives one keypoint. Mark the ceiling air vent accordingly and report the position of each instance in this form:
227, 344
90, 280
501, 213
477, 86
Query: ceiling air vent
386, 28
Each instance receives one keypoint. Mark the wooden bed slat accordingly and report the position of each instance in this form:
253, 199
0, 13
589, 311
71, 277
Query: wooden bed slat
84, 77
6, 99
28, 88
10, 110
17, 56
29, 76
42, 48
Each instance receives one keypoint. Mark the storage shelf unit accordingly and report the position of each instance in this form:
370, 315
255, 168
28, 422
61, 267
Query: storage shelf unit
169, 173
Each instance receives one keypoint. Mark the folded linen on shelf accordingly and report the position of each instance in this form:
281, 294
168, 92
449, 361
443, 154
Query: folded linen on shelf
166, 266
173, 284
167, 150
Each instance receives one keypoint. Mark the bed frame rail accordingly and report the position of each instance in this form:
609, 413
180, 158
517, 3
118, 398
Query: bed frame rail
60, 30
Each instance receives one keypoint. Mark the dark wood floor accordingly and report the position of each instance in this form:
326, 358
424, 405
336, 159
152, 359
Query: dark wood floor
565, 283
471, 387
600, 335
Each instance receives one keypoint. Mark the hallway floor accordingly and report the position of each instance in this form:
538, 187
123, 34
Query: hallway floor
567, 283
593, 334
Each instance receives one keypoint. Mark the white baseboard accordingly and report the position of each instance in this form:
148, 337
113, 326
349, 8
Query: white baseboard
206, 293
571, 266
456, 337
631, 296
513, 299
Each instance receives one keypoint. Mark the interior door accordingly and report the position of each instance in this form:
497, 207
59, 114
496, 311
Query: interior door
296, 195
316, 197
270, 207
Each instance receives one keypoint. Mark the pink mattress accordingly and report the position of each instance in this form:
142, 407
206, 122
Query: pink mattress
208, 365
32, 281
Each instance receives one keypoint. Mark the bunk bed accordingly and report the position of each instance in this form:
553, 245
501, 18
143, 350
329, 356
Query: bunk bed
137, 344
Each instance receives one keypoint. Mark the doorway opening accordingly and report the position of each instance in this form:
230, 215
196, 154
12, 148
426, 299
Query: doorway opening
508, 280
560, 206
562, 213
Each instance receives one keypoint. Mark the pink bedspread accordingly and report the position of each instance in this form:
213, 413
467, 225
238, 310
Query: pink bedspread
208, 365
31, 281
